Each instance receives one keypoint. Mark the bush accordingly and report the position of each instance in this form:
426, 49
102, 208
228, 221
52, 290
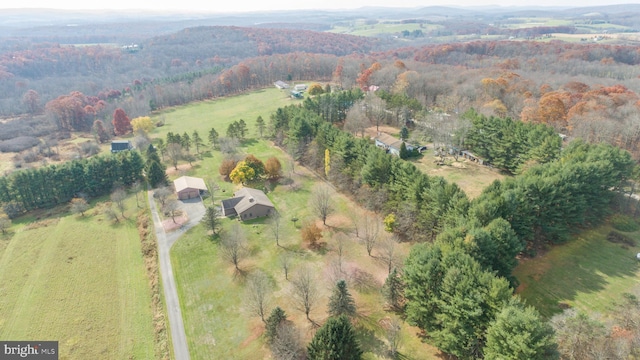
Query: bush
624, 223
89, 148
616, 237
18, 144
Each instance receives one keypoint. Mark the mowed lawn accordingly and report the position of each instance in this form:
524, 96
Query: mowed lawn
80, 281
219, 113
588, 273
217, 322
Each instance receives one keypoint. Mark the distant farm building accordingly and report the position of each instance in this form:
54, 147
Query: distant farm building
297, 94
468, 155
300, 87
281, 84
188, 187
391, 144
120, 145
248, 203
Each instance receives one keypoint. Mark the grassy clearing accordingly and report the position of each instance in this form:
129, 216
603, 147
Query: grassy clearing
588, 273
470, 177
78, 280
219, 113
361, 29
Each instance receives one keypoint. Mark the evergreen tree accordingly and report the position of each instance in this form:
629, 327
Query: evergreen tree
156, 174
185, 141
213, 137
335, 340
277, 317
404, 153
404, 133
260, 124
197, 140
393, 290
211, 220
242, 128
518, 333
341, 302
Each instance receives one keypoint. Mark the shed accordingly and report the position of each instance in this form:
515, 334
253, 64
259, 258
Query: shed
120, 145
281, 84
248, 203
300, 87
188, 187
468, 155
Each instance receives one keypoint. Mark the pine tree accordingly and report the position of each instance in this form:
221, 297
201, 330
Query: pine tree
213, 138
404, 133
273, 321
197, 140
341, 302
392, 290
336, 339
211, 220
404, 153
261, 125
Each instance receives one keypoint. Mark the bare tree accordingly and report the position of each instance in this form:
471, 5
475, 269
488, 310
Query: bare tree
376, 110
370, 232
275, 225
287, 344
285, 261
355, 217
234, 245
228, 145
110, 213
305, 293
213, 189
79, 205
175, 153
258, 294
388, 252
118, 197
357, 120
136, 187
393, 334
321, 202
341, 240
172, 208
162, 194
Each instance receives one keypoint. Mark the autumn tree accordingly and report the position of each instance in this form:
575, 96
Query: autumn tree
227, 167
315, 89
121, 122
256, 164
31, 101
101, 132
142, 123
273, 168
242, 173
311, 233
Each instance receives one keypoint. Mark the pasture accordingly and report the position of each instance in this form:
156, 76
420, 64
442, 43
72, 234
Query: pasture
80, 281
588, 273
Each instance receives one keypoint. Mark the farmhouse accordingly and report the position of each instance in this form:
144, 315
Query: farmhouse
391, 144
120, 145
281, 84
247, 203
188, 187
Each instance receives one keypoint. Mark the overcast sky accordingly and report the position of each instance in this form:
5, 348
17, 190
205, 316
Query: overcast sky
260, 5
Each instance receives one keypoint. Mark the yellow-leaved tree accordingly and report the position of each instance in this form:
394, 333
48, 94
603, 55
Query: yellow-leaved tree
142, 123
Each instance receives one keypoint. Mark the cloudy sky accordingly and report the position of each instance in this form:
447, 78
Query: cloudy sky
260, 5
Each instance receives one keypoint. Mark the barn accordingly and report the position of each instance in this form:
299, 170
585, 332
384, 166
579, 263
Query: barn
188, 187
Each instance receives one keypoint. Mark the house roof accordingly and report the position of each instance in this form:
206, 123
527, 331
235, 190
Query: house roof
185, 182
120, 141
389, 140
251, 197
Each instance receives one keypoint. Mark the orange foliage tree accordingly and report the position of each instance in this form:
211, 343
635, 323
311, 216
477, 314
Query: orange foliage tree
121, 122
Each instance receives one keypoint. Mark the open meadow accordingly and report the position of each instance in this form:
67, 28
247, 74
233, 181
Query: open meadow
79, 280
217, 321
588, 273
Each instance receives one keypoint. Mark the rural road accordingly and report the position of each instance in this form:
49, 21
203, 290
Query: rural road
195, 211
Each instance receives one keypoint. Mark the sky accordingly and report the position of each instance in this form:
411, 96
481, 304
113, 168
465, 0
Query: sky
265, 5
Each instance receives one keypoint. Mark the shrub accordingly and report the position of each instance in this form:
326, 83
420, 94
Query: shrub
18, 144
624, 223
616, 237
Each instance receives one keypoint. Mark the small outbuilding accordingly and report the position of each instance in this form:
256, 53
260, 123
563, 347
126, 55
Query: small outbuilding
248, 203
281, 84
300, 87
391, 144
120, 145
188, 187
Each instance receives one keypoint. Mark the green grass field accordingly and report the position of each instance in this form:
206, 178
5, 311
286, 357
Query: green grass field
211, 293
80, 281
359, 28
588, 273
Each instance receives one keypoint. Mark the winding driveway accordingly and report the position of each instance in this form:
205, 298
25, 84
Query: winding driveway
195, 211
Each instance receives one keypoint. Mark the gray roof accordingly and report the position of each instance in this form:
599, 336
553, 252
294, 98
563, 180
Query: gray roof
250, 197
185, 182
389, 141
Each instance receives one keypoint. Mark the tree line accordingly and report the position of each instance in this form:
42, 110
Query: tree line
53, 185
